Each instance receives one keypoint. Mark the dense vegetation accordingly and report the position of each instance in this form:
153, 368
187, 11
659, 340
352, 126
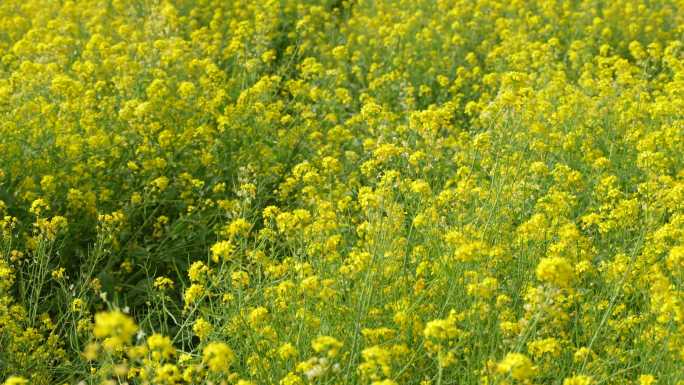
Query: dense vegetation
324, 192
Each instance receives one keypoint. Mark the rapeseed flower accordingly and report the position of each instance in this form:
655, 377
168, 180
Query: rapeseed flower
115, 329
218, 357
375, 192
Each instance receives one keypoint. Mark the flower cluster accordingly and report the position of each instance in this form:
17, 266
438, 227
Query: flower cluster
302, 192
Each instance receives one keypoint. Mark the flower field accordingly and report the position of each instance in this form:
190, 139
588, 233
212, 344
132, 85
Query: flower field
374, 192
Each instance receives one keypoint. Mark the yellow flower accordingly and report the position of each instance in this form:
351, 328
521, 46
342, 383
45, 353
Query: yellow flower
578, 380
186, 90
163, 283
384, 382
291, 379
202, 328
647, 379
192, 294
77, 305
517, 365
116, 328
167, 374
442, 329
675, 258
287, 351
239, 226
327, 345
556, 271
222, 250
240, 279
376, 359
160, 346
218, 357
39, 206
257, 315
581, 354
541, 347
198, 271
58, 273
15, 380
161, 183
136, 198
